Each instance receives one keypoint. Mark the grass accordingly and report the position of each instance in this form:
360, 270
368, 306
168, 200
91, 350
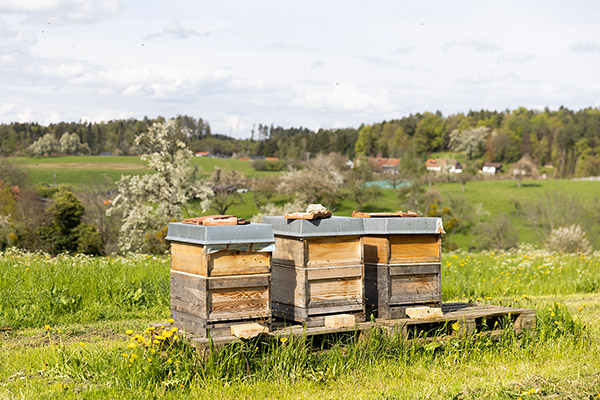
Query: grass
86, 349
81, 170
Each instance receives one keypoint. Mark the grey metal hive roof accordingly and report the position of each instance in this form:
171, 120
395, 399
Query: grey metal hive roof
402, 226
224, 234
334, 226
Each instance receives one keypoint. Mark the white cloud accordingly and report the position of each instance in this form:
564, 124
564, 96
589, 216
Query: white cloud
479, 46
62, 12
345, 97
516, 58
176, 30
585, 47
377, 60
14, 41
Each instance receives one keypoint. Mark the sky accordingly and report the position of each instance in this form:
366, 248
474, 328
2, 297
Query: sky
315, 64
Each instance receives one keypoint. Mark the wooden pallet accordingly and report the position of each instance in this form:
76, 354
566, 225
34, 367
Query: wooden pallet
460, 319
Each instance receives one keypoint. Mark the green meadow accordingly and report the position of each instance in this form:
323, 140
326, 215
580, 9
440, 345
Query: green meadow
79, 327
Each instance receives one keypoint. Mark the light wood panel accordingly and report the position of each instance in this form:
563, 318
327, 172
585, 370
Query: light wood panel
414, 248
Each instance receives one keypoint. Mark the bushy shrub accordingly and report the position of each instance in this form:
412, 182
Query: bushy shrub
568, 239
497, 234
264, 165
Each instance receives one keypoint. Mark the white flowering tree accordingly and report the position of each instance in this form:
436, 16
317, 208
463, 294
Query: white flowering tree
148, 202
47, 144
70, 144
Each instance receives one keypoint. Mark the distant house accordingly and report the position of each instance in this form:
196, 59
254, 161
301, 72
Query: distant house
244, 158
443, 165
491, 168
272, 158
385, 165
202, 154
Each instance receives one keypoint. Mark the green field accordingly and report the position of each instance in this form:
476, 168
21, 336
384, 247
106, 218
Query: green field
83, 171
75, 327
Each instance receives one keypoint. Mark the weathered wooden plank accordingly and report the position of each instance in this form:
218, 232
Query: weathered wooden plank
189, 258
334, 250
288, 285
338, 290
187, 308
240, 281
406, 288
376, 249
237, 303
288, 311
415, 269
239, 263
414, 248
335, 272
289, 251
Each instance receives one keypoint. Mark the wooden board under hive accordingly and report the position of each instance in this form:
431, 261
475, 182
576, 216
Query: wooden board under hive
319, 276
402, 268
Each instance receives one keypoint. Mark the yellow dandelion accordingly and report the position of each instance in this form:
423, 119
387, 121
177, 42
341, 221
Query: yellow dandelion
133, 356
125, 355
156, 341
455, 326
48, 327
82, 344
171, 320
149, 360
132, 345
283, 339
129, 331
552, 314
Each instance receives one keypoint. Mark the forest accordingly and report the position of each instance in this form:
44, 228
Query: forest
564, 140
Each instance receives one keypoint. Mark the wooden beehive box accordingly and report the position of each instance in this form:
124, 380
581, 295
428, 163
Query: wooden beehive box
220, 276
402, 264
317, 269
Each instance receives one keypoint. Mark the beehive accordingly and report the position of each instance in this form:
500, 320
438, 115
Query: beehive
220, 276
317, 269
402, 264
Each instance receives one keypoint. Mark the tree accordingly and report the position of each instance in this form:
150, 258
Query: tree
70, 144
524, 168
148, 202
319, 182
471, 141
47, 144
225, 185
66, 233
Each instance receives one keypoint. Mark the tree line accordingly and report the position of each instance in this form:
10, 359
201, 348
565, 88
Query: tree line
566, 139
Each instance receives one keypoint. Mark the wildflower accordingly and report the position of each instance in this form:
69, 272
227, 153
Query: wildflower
171, 320
129, 331
133, 356
125, 355
283, 339
149, 360
132, 345
48, 327
455, 326
82, 344
552, 314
